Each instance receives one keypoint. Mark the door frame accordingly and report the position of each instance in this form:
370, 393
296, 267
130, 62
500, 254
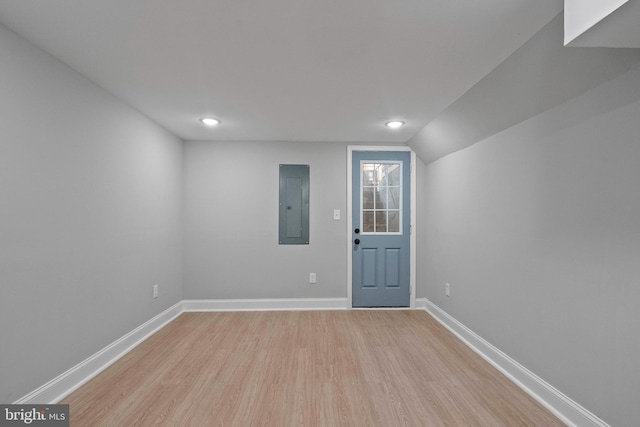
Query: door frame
412, 222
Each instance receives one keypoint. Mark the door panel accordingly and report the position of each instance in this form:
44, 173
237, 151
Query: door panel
392, 267
369, 267
381, 228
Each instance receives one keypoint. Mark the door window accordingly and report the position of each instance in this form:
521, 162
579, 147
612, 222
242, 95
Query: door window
381, 197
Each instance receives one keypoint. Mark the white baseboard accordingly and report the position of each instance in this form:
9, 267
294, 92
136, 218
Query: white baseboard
555, 401
69, 381
562, 406
64, 384
421, 303
265, 304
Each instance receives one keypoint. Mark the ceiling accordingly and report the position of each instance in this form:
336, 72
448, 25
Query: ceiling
283, 70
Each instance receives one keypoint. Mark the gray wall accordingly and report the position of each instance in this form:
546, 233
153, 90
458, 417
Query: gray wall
537, 229
90, 218
231, 217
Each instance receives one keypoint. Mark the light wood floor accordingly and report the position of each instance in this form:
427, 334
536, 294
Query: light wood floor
337, 368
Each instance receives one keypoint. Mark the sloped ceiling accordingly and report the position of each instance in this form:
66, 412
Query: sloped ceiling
540, 75
617, 28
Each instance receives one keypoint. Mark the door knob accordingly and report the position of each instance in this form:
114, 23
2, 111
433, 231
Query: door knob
357, 231
357, 241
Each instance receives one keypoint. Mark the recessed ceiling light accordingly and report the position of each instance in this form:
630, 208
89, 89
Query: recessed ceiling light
210, 121
394, 124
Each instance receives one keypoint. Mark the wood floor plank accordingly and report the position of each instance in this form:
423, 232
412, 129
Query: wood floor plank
323, 368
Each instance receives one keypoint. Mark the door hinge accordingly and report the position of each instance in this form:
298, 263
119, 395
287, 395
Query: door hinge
410, 229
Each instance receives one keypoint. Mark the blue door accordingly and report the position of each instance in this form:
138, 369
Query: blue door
381, 227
